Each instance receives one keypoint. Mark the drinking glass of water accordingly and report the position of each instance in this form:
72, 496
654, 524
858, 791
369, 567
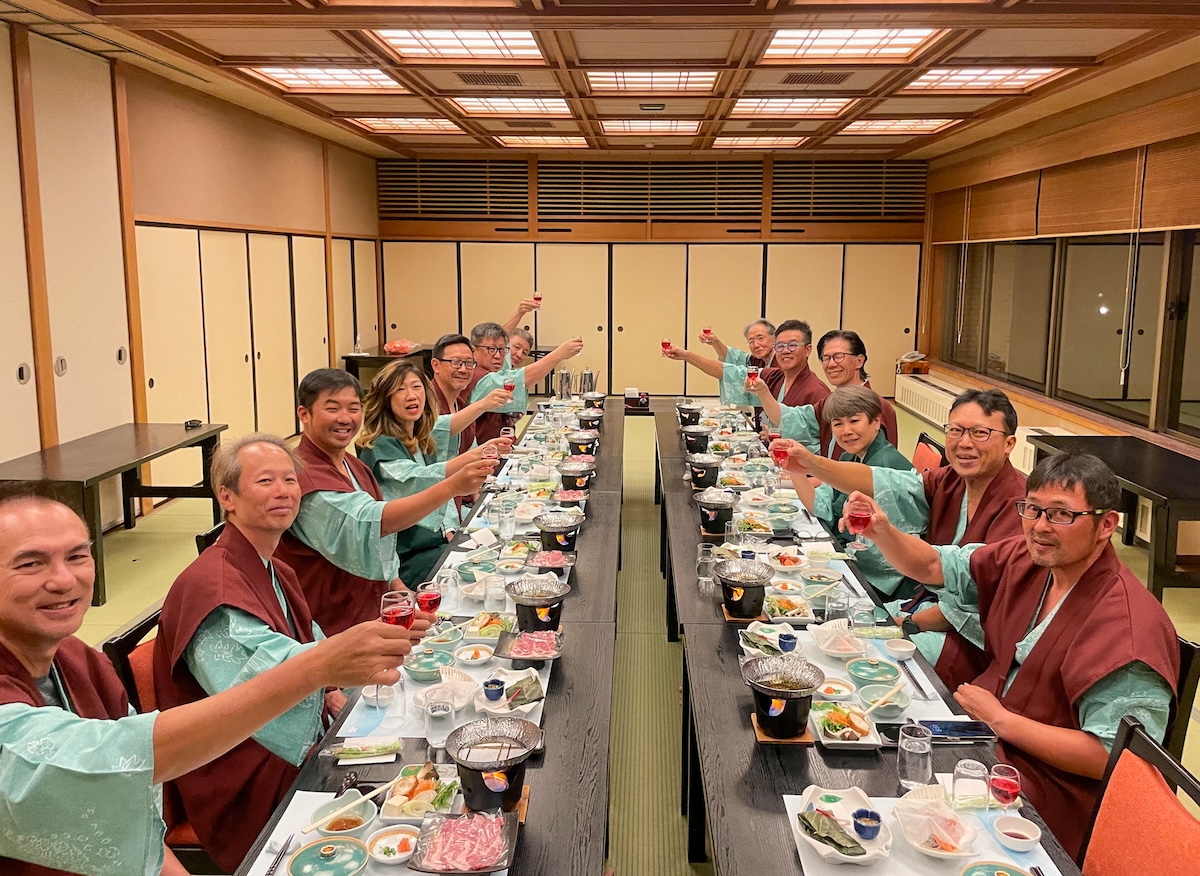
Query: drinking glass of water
704, 565
506, 525
447, 583
915, 756
495, 597
970, 787
439, 717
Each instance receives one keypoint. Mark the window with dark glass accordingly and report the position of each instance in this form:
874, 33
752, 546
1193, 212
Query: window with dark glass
964, 272
1020, 288
1185, 396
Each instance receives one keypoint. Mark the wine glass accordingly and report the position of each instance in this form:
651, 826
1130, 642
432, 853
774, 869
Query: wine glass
858, 516
508, 432
510, 384
489, 451
1005, 784
666, 345
752, 373
396, 608
429, 597
537, 298
780, 454
707, 332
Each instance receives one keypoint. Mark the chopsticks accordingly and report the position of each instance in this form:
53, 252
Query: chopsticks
887, 696
283, 850
351, 805
824, 590
913, 678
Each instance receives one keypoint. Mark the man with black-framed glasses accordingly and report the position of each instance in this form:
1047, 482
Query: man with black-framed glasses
1073, 640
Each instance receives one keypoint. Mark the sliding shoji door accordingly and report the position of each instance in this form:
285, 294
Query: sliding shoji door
725, 285
310, 305
343, 301
880, 303
420, 290
366, 302
225, 275
649, 287
573, 280
495, 277
271, 312
804, 281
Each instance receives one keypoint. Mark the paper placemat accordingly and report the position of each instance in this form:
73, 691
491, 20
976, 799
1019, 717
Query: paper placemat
404, 720
907, 861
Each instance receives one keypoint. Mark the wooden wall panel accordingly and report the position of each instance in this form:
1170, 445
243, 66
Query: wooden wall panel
1172, 192
366, 298
1004, 209
420, 290
1100, 194
81, 222
225, 275
804, 281
725, 290
172, 340
18, 400
948, 221
649, 285
573, 280
353, 194
310, 306
880, 303
495, 277
343, 301
271, 312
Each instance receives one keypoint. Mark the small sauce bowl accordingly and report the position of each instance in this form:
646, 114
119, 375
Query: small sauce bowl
867, 823
1017, 833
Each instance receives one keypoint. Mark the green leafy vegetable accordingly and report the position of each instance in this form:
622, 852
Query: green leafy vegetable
825, 830
525, 691
347, 752
445, 793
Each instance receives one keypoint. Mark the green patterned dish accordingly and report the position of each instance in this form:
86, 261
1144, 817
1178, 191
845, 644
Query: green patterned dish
868, 670
426, 666
331, 856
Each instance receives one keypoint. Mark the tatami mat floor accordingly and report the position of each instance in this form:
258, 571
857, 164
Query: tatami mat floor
647, 833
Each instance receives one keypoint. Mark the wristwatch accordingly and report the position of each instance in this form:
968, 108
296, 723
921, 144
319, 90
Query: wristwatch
910, 628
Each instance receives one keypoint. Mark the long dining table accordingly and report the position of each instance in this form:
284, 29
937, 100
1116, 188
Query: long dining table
566, 826
732, 787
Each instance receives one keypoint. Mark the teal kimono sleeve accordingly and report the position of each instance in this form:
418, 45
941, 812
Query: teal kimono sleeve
733, 387
233, 646
447, 446
901, 495
1134, 689
344, 528
495, 380
800, 424
959, 598
79, 793
736, 357
399, 478
450, 518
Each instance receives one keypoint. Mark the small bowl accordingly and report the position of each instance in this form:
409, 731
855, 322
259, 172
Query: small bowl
510, 567
893, 708
493, 689
901, 649
472, 572
387, 838
426, 667
365, 811
868, 670
817, 561
818, 577
464, 655
837, 689
378, 696
1030, 833
867, 823
444, 641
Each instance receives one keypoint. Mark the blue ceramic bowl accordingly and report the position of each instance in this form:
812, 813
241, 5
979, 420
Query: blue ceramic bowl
867, 823
426, 666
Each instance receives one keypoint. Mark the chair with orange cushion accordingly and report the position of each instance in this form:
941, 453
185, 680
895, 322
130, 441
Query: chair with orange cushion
1139, 825
928, 454
133, 659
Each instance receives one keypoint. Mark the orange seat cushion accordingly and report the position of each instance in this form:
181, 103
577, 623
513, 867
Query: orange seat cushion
1141, 827
925, 458
141, 664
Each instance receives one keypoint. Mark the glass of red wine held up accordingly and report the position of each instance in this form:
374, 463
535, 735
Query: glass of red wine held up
858, 517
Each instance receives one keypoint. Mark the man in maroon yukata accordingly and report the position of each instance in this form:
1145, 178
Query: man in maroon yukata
1072, 640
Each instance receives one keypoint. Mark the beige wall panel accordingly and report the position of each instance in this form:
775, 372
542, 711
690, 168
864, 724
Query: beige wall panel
880, 303
198, 159
81, 222
343, 301
271, 312
366, 301
172, 340
495, 277
724, 291
649, 285
353, 196
573, 280
804, 281
18, 400
420, 290
223, 271
311, 306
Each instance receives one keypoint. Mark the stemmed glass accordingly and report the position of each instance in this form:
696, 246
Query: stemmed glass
858, 516
429, 597
666, 345
396, 608
1005, 784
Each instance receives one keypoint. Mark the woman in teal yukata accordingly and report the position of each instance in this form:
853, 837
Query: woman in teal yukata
854, 414
409, 447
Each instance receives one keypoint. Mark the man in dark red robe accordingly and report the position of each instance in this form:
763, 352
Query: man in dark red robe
453, 370
71, 745
342, 545
1073, 641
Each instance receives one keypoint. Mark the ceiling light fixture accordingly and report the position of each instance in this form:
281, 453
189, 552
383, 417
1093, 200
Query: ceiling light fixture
810, 107
960, 79
327, 78
898, 126
547, 142
408, 126
841, 44
757, 142
650, 126
652, 80
489, 45
513, 106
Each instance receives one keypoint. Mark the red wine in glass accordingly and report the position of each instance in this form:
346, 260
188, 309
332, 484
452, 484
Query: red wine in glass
666, 344
509, 385
781, 456
401, 615
429, 601
1005, 790
858, 516
537, 298
707, 331
859, 522
752, 373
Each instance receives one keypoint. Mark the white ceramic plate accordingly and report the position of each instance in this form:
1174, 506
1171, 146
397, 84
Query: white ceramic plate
772, 632
462, 691
498, 707
842, 804
867, 743
912, 812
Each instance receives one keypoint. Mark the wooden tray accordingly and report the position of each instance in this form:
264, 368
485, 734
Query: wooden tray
762, 616
805, 738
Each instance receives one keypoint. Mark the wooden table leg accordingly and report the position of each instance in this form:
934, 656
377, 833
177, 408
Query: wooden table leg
672, 611
95, 525
1164, 539
697, 815
1129, 507
207, 448
131, 481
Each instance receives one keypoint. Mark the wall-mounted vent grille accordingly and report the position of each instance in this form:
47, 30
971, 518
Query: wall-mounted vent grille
596, 188
529, 123
489, 78
429, 189
859, 189
815, 78
771, 125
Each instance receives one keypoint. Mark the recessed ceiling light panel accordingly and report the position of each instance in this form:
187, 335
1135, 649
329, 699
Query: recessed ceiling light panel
898, 126
488, 45
841, 44
757, 142
810, 107
650, 126
546, 142
513, 106
327, 78
665, 81
1012, 79
411, 126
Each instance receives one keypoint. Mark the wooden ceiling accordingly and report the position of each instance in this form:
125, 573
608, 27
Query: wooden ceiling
760, 82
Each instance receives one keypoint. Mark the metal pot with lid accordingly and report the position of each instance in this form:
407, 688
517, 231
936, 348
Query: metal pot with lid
491, 755
783, 688
716, 509
743, 586
704, 468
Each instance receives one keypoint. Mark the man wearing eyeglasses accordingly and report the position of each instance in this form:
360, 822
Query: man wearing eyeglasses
1073, 641
490, 343
760, 339
968, 501
453, 366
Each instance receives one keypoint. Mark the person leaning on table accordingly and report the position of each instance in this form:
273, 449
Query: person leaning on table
342, 546
80, 773
1073, 641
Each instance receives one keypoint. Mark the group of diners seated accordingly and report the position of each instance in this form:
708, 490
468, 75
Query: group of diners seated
1009, 585
259, 634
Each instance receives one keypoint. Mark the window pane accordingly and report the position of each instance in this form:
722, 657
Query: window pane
963, 338
1092, 349
1187, 419
1019, 312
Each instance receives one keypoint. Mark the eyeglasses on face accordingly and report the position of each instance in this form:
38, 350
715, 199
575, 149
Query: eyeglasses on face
1057, 516
458, 364
978, 434
836, 357
492, 351
788, 346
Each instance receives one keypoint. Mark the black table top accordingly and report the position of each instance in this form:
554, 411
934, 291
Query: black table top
93, 458
565, 831
744, 782
610, 462
1157, 473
